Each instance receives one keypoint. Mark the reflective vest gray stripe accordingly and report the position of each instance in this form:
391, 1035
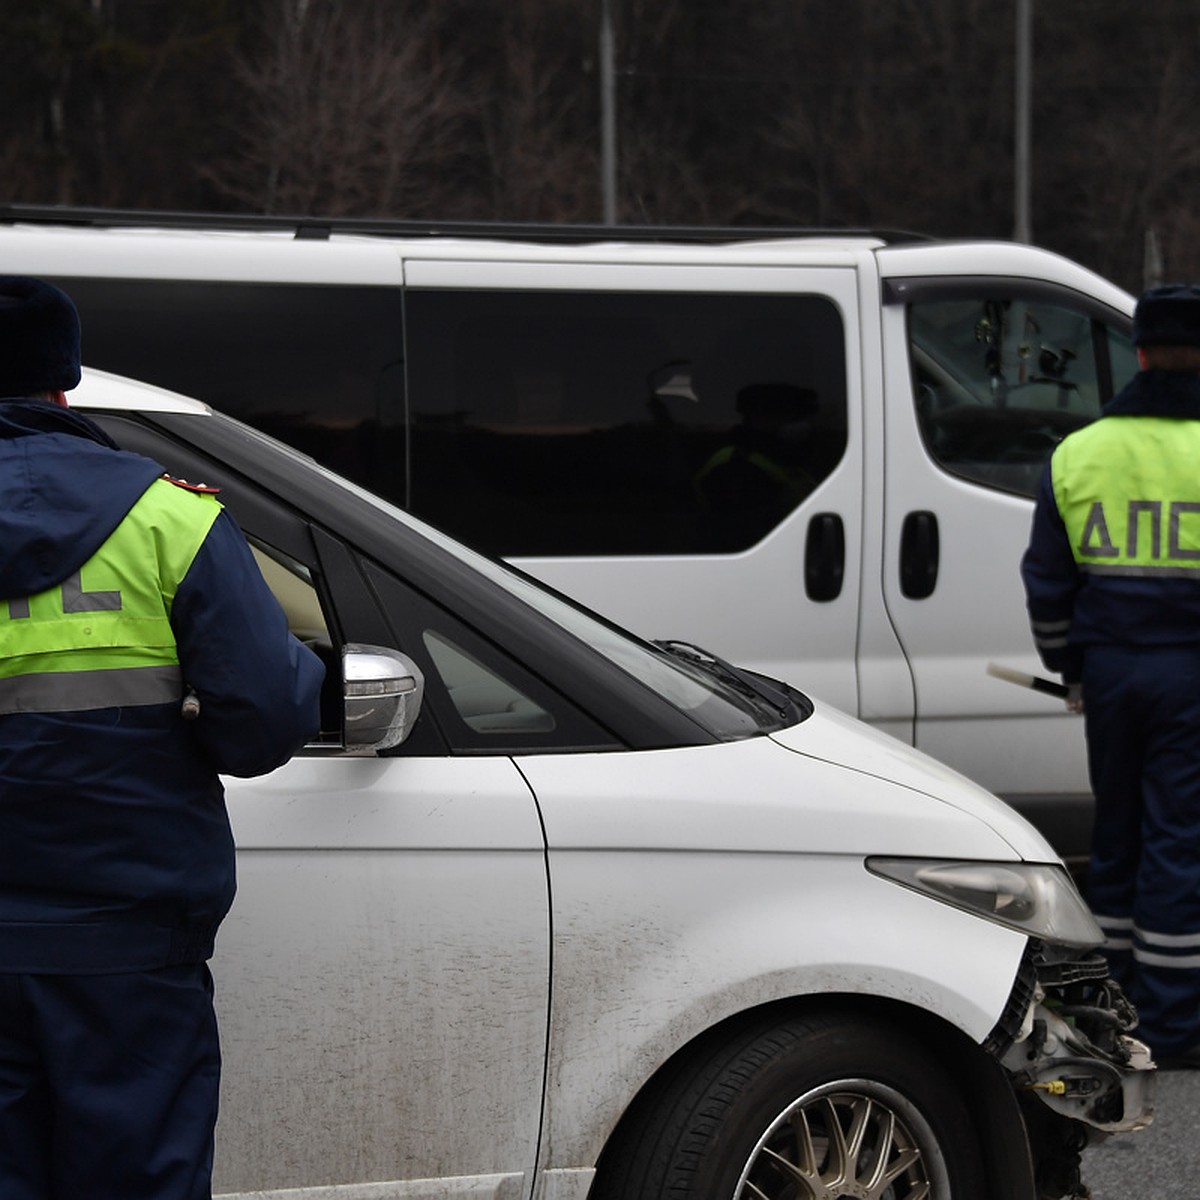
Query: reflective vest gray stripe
76, 691
1051, 635
1136, 572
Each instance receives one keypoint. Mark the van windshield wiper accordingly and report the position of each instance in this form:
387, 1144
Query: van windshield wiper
785, 702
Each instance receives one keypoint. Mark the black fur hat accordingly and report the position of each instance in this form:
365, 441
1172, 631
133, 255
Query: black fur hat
1168, 316
39, 337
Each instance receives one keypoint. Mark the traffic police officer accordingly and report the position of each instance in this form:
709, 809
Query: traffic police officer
121, 593
1112, 579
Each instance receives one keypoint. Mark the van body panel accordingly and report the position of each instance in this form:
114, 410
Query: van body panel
949, 259
886, 694
200, 255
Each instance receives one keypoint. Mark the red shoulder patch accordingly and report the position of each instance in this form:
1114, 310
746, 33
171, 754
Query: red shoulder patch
204, 488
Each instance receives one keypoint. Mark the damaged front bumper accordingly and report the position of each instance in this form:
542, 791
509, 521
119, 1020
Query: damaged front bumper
1072, 1047
1066, 1044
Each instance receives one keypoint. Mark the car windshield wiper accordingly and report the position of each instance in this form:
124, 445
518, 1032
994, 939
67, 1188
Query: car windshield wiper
787, 704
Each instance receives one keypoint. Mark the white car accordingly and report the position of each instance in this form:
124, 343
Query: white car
553, 913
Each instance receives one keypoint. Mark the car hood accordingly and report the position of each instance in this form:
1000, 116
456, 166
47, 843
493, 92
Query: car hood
769, 795
831, 736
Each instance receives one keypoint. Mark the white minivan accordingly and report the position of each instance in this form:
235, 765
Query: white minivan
549, 912
813, 456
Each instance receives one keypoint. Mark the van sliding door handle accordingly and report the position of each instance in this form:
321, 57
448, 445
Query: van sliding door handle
919, 554
825, 557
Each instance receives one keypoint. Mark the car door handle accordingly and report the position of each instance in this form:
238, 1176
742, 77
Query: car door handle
825, 557
919, 554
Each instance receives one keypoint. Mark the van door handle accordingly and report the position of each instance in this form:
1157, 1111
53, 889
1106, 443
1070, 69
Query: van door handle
825, 557
919, 554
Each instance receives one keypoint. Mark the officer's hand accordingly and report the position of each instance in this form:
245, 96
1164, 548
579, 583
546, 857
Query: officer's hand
1075, 698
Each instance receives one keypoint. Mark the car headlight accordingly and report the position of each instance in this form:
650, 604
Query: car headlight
1036, 898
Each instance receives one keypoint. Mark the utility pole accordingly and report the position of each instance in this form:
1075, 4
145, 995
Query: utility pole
1022, 224
608, 115
1152, 260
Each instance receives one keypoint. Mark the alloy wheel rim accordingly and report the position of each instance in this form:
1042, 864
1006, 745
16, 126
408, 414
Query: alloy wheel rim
853, 1139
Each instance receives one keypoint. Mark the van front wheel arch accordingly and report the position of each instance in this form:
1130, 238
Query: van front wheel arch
815, 1108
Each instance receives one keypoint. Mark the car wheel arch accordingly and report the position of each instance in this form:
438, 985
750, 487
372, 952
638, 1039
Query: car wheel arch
979, 1081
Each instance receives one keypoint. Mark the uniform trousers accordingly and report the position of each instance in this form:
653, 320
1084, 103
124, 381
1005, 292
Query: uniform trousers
1142, 711
108, 1085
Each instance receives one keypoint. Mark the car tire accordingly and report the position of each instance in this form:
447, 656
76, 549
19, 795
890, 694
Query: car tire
822, 1107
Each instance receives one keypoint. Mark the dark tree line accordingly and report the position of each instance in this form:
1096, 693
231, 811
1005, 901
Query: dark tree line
893, 114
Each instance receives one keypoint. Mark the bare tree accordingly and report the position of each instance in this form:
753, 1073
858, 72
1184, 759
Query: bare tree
896, 114
684, 113
99, 98
350, 108
537, 113
1120, 149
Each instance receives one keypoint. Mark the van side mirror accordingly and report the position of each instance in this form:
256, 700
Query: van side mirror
382, 691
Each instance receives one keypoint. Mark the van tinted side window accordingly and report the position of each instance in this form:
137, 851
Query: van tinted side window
317, 367
560, 423
1001, 379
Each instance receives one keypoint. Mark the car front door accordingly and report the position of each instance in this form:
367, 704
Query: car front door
383, 979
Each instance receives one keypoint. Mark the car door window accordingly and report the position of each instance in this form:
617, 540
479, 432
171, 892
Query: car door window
317, 367
291, 582
485, 700
599, 423
1001, 379
482, 696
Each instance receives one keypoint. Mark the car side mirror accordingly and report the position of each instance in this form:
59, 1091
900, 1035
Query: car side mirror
382, 691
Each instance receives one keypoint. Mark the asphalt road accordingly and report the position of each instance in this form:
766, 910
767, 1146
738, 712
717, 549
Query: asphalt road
1159, 1163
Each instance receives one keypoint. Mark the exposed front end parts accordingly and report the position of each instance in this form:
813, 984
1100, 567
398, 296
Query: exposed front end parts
1065, 1041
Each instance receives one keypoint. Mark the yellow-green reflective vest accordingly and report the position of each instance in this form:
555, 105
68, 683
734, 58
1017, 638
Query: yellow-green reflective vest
1128, 490
103, 638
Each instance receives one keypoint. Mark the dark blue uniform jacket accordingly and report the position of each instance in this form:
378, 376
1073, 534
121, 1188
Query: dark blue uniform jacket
1106, 609
115, 847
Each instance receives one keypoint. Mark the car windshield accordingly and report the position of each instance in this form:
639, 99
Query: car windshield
727, 702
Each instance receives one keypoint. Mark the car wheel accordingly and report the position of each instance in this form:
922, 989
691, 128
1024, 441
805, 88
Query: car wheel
818, 1108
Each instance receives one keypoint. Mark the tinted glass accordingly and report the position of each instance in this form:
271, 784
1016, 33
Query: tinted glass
1123, 356
723, 709
552, 423
318, 367
483, 699
620, 423
1000, 380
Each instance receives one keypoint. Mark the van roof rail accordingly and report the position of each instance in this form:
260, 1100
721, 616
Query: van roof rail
321, 228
